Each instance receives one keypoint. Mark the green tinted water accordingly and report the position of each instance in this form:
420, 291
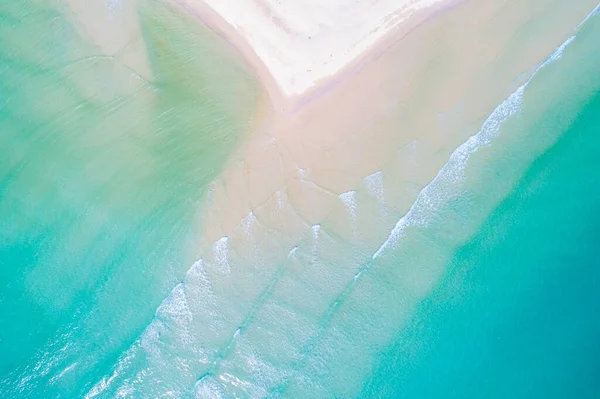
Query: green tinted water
102, 175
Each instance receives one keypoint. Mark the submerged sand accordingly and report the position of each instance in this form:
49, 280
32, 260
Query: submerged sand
387, 128
323, 184
317, 187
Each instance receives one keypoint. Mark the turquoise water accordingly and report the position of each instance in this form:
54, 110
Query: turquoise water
524, 322
516, 314
488, 288
102, 177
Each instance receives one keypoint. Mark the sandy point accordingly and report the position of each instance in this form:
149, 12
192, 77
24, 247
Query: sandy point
300, 50
396, 113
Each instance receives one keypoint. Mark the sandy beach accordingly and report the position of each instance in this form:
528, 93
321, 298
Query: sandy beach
300, 50
305, 43
395, 117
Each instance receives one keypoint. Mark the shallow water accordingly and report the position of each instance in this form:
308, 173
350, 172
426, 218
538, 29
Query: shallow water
516, 312
485, 288
101, 180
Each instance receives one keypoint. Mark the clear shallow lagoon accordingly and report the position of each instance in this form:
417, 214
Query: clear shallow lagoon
99, 195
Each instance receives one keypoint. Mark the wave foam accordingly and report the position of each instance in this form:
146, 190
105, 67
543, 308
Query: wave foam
446, 184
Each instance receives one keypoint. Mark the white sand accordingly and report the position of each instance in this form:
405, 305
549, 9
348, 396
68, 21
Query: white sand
304, 42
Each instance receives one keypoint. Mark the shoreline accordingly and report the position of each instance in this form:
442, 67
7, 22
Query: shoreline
215, 22
377, 49
291, 103
304, 154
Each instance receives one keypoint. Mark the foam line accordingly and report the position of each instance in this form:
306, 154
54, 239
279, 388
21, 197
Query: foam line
431, 196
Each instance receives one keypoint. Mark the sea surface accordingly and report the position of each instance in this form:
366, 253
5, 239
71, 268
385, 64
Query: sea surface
103, 181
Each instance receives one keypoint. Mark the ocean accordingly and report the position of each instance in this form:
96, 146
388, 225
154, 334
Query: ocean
487, 287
